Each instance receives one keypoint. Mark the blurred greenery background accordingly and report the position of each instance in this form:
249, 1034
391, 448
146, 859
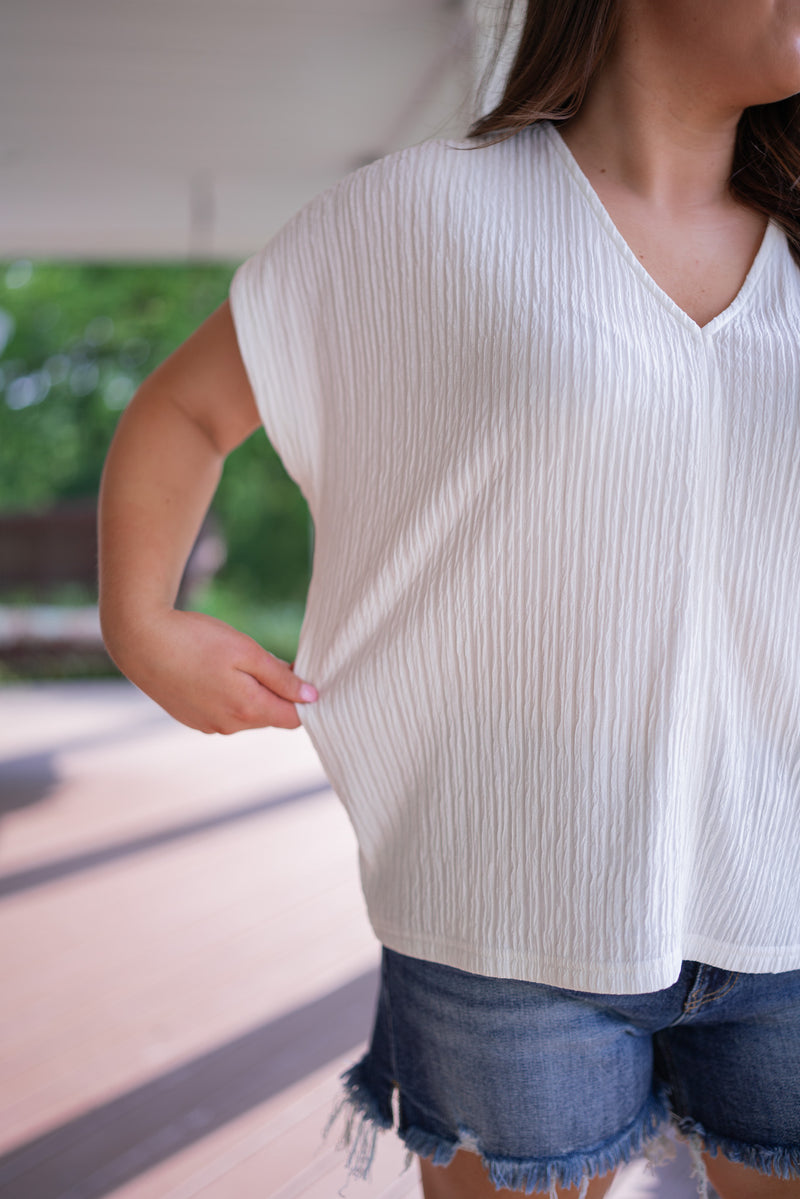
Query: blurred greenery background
76, 340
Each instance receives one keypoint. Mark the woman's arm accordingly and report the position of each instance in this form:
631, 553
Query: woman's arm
160, 476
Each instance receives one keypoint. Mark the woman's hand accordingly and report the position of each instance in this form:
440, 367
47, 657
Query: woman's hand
160, 475
208, 675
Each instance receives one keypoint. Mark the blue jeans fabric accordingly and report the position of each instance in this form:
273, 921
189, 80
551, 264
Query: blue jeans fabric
553, 1087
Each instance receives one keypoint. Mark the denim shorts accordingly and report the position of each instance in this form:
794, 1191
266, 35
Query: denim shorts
553, 1087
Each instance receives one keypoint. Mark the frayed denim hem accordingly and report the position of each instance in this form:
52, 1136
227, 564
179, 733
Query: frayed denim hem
646, 1136
364, 1119
544, 1176
775, 1160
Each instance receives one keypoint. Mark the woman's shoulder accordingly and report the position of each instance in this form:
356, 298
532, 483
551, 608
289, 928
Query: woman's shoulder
400, 207
430, 172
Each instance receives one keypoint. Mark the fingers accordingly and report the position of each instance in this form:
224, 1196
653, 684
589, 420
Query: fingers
213, 678
279, 677
265, 694
257, 707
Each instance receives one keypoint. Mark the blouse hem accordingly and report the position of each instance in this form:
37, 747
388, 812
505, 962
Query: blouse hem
603, 978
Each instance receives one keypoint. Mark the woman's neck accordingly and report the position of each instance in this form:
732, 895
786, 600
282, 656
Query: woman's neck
649, 131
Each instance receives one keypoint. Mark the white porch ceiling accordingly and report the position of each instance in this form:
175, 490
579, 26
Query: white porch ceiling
195, 128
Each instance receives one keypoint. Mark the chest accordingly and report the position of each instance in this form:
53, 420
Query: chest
699, 260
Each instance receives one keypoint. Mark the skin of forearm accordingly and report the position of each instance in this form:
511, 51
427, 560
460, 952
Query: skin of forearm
158, 481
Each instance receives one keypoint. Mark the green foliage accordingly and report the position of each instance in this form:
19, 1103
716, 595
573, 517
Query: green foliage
266, 525
76, 340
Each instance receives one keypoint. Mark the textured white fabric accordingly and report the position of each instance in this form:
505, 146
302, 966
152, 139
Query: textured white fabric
554, 616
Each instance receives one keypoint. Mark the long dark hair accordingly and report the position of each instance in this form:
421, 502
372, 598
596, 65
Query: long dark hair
560, 48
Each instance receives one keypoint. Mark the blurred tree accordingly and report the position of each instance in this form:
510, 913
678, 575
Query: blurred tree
76, 340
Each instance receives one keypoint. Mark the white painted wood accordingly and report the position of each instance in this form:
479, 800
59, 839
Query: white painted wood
171, 128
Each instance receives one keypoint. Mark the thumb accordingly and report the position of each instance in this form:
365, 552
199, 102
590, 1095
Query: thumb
279, 676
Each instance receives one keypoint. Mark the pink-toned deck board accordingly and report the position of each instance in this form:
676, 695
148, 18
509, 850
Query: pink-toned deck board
175, 1014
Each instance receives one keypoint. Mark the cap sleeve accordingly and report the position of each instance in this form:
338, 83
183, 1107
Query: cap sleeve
274, 302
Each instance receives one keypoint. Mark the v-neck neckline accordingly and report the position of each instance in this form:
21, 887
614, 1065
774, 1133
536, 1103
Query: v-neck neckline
772, 236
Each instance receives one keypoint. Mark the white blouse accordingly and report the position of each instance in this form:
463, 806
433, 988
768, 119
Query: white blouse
554, 617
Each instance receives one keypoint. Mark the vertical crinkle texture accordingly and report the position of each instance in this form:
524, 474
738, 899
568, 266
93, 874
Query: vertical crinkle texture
554, 616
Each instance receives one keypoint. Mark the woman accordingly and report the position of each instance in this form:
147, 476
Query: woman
542, 393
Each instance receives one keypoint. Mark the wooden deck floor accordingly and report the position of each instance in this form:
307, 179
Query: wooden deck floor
187, 966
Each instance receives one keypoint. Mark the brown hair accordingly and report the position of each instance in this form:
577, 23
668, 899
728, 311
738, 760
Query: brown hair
560, 48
